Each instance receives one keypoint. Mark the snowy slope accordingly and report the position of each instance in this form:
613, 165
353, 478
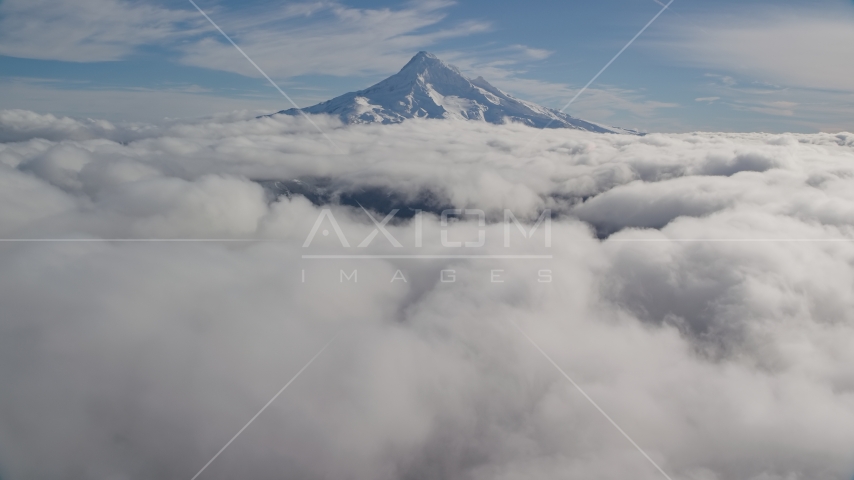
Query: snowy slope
428, 88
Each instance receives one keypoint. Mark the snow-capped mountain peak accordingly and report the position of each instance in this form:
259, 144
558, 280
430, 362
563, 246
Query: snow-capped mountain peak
426, 87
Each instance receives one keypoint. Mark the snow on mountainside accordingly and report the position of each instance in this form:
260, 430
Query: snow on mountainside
428, 88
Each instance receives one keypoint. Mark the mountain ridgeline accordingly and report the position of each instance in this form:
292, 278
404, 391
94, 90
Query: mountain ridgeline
426, 87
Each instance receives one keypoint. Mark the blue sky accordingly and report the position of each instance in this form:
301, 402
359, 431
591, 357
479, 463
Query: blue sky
724, 65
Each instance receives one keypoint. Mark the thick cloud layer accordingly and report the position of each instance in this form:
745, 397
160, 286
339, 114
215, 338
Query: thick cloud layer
701, 293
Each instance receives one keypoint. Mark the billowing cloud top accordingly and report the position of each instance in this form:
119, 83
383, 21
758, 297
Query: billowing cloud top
700, 290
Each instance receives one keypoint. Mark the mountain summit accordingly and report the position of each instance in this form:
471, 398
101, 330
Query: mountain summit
426, 87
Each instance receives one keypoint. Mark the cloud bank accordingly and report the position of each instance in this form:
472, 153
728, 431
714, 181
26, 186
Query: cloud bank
679, 302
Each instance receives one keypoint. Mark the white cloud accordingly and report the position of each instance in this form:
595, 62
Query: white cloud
330, 39
818, 110
722, 359
87, 30
774, 60
286, 40
803, 48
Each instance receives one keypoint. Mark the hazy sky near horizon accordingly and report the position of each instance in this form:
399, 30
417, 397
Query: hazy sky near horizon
727, 66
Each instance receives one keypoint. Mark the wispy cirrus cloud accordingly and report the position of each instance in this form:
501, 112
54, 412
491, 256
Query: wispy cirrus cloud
801, 48
327, 38
773, 60
811, 108
88, 30
315, 37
